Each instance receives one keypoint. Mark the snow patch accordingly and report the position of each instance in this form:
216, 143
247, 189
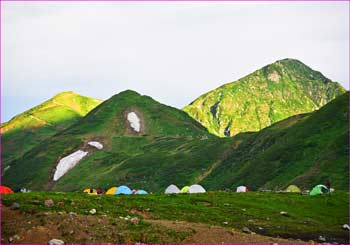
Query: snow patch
67, 163
96, 144
134, 121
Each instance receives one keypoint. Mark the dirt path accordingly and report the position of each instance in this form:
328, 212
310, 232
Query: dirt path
204, 234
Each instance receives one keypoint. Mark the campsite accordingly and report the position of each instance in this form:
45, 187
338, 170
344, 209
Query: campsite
252, 217
174, 122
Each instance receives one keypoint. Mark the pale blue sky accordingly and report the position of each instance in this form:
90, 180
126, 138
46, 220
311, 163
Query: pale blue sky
173, 51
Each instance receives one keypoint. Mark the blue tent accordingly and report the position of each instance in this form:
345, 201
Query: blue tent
141, 192
123, 190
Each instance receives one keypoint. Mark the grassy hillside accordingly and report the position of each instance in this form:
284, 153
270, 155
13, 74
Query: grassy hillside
308, 217
30, 128
171, 147
304, 150
266, 96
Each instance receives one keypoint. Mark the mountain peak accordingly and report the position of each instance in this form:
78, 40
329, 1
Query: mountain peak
276, 91
65, 93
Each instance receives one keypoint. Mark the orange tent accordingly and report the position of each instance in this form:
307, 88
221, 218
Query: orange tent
5, 190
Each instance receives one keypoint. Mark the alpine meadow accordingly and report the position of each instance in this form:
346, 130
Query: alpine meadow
284, 124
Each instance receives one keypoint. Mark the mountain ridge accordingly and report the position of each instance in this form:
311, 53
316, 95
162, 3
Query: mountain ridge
276, 91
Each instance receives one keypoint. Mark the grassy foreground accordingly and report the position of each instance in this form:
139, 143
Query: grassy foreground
307, 219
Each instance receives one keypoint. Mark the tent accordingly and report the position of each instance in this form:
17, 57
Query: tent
196, 189
293, 188
88, 191
123, 190
111, 191
242, 189
172, 189
5, 190
185, 189
318, 190
140, 192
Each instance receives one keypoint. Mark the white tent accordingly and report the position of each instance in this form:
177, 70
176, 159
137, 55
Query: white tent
196, 189
172, 189
242, 189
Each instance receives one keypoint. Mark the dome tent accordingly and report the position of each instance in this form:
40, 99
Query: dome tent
123, 190
196, 189
242, 189
88, 191
172, 189
318, 190
141, 192
5, 190
293, 188
185, 189
111, 191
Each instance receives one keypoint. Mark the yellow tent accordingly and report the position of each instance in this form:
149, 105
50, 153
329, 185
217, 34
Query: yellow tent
293, 188
111, 191
88, 191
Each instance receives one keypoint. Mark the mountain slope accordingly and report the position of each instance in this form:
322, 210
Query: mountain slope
170, 147
273, 93
305, 150
29, 128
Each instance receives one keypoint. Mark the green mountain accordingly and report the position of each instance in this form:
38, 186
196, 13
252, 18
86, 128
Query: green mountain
304, 150
273, 93
30, 128
164, 145
169, 147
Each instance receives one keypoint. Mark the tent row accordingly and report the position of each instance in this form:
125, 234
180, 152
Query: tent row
121, 190
173, 189
317, 190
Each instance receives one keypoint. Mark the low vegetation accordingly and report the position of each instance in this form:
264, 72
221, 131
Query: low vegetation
306, 218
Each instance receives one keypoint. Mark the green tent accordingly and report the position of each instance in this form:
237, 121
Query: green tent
293, 188
184, 189
318, 190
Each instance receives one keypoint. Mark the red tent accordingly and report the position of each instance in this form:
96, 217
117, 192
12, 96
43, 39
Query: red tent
5, 190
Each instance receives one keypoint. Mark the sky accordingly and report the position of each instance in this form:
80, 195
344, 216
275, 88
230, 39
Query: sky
171, 51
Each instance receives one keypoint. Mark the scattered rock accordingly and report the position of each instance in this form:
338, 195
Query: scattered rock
284, 213
226, 204
71, 232
243, 209
49, 203
72, 214
55, 242
13, 238
60, 203
225, 223
134, 220
346, 227
322, 238
260, 228
246, 230
15, 206
92, 211
250, 220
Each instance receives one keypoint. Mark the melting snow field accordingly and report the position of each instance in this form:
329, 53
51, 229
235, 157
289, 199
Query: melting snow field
134, 121
96, 144
67, 163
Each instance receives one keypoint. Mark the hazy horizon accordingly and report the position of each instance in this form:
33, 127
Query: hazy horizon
173, 51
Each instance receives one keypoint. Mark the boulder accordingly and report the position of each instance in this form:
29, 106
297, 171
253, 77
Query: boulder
55, 242
15, 206
49, 203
